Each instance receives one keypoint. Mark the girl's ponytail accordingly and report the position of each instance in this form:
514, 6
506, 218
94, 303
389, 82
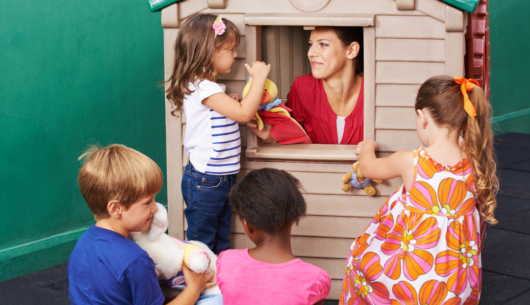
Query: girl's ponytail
446, 99
478, 144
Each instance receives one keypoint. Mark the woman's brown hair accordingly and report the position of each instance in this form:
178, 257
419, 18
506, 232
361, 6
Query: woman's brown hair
347, 35
442, 96
194, 49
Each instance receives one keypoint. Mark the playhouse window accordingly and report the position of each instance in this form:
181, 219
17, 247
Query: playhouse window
286, 47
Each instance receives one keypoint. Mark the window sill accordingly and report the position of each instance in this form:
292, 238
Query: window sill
308, 152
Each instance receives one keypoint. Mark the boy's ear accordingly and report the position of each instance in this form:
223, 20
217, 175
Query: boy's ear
114, 208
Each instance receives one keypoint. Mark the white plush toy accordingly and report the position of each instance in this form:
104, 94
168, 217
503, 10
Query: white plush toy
169, 253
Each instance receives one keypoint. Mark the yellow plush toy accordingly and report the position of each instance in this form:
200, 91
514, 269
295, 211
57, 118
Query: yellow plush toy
269, 101
284, 128
355, 178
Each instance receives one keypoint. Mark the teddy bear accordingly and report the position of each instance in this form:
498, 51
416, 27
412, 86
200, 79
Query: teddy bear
285, 129
169, 253
354, 178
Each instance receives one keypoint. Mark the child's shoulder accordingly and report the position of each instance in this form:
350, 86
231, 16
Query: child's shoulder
233, 254
103, 246
206, 85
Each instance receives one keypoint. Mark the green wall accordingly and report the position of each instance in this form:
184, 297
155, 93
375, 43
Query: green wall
510, 65
72, 73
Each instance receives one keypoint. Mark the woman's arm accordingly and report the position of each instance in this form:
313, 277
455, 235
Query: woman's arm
399, 164
242, 111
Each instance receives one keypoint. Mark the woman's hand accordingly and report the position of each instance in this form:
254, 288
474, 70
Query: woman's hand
235, 96
264, 134
369, 144
259, 70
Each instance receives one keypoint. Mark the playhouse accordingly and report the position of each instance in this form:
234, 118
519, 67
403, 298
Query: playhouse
405, 43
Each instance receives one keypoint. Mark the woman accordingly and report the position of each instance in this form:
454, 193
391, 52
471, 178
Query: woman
328, 103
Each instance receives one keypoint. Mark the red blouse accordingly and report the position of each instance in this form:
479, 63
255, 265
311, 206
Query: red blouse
311, 109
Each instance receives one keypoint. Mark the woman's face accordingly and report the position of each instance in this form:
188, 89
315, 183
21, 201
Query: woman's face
327, 54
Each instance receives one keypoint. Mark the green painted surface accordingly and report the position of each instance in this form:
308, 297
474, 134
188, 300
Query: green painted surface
72, 73
466, 5
510, 64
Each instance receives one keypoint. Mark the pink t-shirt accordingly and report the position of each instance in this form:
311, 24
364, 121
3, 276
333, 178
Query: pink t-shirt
244, 280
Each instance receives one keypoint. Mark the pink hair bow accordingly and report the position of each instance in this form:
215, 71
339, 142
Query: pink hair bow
218, 26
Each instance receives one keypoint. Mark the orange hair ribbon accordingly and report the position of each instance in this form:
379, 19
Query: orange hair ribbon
467, 86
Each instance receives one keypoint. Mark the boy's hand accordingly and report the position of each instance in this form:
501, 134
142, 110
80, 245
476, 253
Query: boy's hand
235, 96
363, 144
197, 281
258, 69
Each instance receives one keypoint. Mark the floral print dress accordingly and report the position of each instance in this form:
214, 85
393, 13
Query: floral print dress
423, 246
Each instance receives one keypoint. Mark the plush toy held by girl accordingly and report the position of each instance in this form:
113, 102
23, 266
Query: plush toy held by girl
205, 48
424, 246
268, 203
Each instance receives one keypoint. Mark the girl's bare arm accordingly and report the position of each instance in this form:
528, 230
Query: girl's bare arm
242, 111
399, 164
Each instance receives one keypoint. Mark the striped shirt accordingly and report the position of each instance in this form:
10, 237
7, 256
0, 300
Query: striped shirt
212, 141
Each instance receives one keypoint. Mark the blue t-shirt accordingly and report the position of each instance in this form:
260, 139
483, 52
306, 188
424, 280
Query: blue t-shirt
107, 268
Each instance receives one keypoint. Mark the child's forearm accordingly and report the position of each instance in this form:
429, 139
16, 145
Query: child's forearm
367, 156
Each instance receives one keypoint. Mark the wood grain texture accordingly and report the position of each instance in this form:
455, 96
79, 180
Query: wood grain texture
409, 27
455, 51
407, 72
396, 95
433, 8
394, 140
369, 82
173, 147
395, 118
430, 50
330, 183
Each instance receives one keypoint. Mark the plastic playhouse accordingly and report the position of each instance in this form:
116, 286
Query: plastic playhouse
405, 43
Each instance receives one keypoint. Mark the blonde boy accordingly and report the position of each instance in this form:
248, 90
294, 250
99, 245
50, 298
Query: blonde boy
119, 185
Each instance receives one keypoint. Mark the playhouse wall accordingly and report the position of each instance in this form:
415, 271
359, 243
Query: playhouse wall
402, 50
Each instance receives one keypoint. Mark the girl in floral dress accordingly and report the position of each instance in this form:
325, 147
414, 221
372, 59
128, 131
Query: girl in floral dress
424, 246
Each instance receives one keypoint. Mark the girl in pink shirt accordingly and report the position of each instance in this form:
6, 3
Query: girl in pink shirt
268, 202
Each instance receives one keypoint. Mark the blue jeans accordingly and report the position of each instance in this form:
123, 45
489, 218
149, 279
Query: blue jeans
208, 211
211, 299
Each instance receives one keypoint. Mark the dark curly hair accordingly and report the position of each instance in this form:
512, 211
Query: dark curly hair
268, 199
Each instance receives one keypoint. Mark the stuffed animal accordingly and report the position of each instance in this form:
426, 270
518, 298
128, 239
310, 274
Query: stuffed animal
269, 100
355, 178
169, 253
284, 129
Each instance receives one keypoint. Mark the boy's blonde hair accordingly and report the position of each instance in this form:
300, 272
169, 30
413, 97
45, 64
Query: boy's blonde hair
117, 173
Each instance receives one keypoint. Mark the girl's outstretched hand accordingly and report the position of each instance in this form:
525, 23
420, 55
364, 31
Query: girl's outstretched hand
264, 134
365, 143
258, 69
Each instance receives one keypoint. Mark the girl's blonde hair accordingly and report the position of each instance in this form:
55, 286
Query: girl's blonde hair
442, 96
194, 49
